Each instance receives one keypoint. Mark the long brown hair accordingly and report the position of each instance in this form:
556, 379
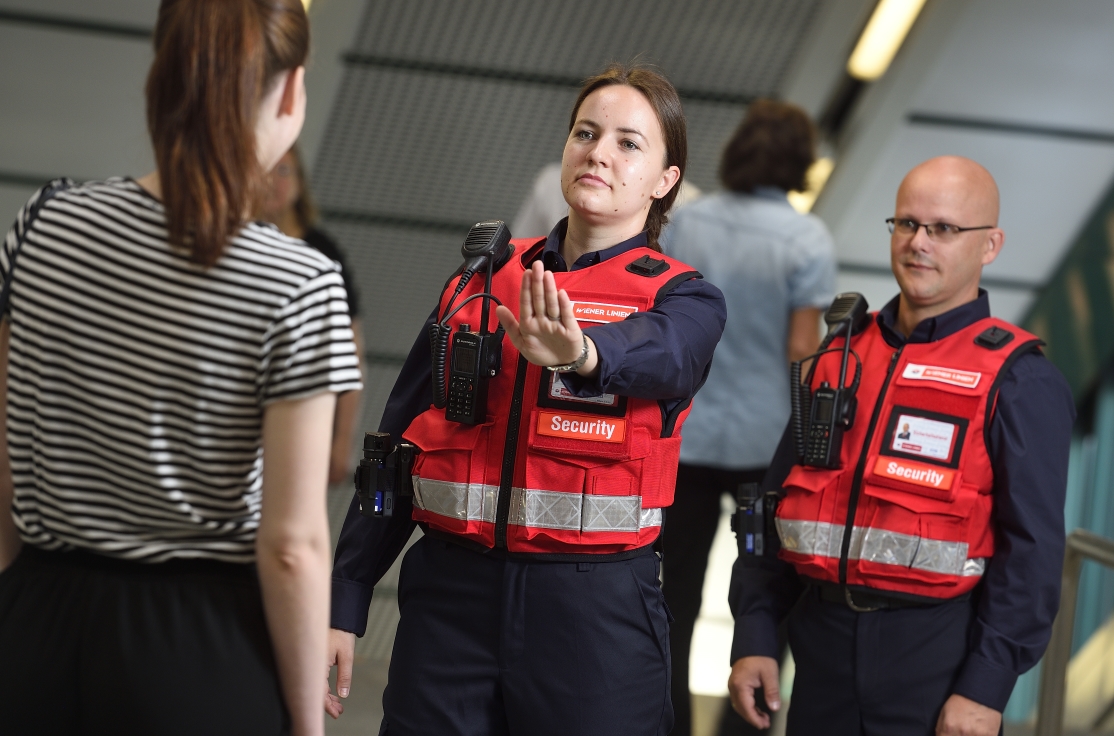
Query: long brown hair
662, 96
214, 60
773, 146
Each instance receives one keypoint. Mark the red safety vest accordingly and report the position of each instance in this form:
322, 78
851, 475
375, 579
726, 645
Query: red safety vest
548, 472
910, 509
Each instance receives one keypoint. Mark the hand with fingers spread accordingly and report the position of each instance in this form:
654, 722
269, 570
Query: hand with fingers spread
342, 648
546, 332
748, 676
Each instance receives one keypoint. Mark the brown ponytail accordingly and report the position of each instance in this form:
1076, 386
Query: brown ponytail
214, 60
667, 106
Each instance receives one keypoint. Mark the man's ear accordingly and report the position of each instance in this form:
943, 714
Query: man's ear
995, 239
293, 85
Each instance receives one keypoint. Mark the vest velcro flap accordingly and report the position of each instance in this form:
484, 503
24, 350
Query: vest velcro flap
811, 480
911, 498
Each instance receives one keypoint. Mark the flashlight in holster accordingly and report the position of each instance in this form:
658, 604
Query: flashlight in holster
753, 521
383, 475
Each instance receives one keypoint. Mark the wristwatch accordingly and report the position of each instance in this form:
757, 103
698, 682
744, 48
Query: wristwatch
576, 364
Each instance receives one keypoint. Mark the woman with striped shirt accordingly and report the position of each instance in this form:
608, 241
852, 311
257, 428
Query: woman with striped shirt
171, 374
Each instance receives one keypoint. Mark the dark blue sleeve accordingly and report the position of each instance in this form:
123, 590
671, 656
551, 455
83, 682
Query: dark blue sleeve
763, 589
1030, 437
662, 353
368, 547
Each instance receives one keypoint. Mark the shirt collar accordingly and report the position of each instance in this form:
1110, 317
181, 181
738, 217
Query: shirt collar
933, 328
772, 193
554, 261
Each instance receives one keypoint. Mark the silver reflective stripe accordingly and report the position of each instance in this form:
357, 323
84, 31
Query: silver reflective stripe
463, 501
879, 545
580, 512
545, 509
535, 508
612, 513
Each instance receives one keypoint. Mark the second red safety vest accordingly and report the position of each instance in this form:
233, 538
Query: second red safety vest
549, 472
910, 510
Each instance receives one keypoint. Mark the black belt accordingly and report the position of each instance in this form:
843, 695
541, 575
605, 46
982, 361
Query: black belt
865, 602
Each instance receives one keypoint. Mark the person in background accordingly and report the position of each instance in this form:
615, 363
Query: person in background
546, 206
777, 271
169, 374
289, 205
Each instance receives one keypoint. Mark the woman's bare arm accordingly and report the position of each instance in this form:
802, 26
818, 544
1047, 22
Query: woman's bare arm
292, 549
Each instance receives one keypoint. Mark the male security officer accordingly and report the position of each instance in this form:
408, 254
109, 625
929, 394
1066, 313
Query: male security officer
921, 577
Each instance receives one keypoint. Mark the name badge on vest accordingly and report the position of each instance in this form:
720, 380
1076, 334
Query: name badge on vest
915, 473
925, 436
950, 376
601, 313
581, 427
554, 394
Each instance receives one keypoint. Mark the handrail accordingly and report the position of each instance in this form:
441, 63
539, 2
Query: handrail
1081, 545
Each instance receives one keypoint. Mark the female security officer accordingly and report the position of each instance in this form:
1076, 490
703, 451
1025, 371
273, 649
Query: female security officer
532, 605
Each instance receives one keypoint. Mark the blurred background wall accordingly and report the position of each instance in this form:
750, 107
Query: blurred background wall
428, 115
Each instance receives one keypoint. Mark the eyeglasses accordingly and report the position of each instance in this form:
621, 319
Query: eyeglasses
938, 232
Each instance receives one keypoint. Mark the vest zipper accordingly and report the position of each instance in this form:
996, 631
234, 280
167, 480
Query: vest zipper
860, 470
510, 449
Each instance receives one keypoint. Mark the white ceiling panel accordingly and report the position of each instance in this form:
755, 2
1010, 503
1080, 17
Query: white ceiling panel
140, 13
1031, 61
83, 120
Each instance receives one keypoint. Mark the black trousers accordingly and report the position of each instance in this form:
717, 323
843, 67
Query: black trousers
91, 645
690, 526
488, 646
885, 673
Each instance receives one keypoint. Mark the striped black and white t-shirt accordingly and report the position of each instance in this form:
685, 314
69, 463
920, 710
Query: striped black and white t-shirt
137, 378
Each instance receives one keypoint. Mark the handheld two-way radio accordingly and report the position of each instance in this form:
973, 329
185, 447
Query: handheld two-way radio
821, 418
476, 355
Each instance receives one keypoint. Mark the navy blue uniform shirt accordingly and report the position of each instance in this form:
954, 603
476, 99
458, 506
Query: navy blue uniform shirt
1016, 602
662, 353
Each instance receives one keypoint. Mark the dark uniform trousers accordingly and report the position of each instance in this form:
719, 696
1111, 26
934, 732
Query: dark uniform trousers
883, 673
488, 646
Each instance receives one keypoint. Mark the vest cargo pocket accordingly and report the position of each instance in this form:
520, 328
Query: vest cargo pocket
911, 537
810, 535
575, 486
453, 492
660, 473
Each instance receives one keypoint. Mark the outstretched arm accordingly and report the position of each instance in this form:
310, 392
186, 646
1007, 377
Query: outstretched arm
546, 331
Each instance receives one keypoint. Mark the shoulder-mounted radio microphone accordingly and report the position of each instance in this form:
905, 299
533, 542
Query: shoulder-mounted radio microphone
821, 417
460, 383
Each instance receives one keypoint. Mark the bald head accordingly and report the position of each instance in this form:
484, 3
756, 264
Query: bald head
940, 270
955, 189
